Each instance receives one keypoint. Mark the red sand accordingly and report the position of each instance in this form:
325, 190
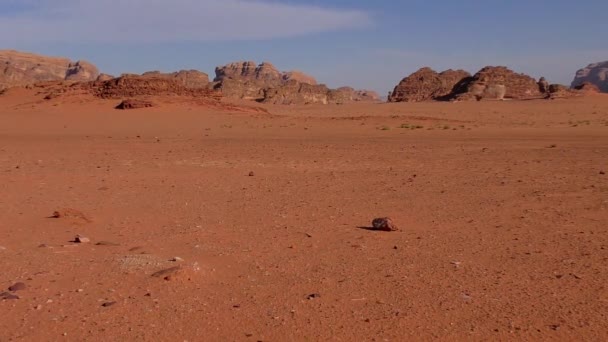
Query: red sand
502, 210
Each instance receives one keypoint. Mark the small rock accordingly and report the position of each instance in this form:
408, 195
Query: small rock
166, 273
108, 304
313, 296
80, 290
107, 243
38, 307
384, 224
251, 174
8, 296
81, 239
2, 248
17, 287
177, 259
602, 172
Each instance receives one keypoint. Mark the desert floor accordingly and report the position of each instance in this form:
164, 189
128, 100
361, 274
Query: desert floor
502, 209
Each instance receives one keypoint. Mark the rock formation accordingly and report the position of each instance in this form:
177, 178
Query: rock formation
294, 92
104, 77
517, 86
427, 85
149, 85
596, 74
20, 69
588, 87
543, 85
265, 83
189, 78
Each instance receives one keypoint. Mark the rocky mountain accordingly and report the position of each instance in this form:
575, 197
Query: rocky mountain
596, 74
427, 85
265, 83
21, 68
489, 83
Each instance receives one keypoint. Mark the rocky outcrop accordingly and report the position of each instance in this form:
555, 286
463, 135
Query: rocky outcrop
596, 74
128, 87
265, 83
294, 92
517, 86
189, 78
588, 87
104, 77
299, 77
150, 85
21, 68
427, 85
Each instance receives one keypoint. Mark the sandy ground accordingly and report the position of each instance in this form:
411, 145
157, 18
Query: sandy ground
502, 208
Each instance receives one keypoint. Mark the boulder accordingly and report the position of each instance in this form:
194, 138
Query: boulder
22, 69
427, 85
596, 74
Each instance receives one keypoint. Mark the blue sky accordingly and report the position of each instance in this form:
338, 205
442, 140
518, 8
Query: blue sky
365, 44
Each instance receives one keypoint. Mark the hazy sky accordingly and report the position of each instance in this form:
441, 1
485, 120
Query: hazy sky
366, 44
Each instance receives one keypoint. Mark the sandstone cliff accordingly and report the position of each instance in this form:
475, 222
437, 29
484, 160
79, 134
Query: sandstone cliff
596, 74
21, 68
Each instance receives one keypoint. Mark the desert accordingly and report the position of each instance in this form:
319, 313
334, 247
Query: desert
285, 171
241, 220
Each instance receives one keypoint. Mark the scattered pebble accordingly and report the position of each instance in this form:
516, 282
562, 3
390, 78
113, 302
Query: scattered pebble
80, 290
38, 307
251, 174
108, 304
602, 172
384, 224
17, 287
177, 259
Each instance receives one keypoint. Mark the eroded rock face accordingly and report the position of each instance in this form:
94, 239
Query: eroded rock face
596, 74
104, 77
427, 85
517, 86
299, 77
21, 68
189, 78
294, 92
588, 87
149, 85
265, 83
